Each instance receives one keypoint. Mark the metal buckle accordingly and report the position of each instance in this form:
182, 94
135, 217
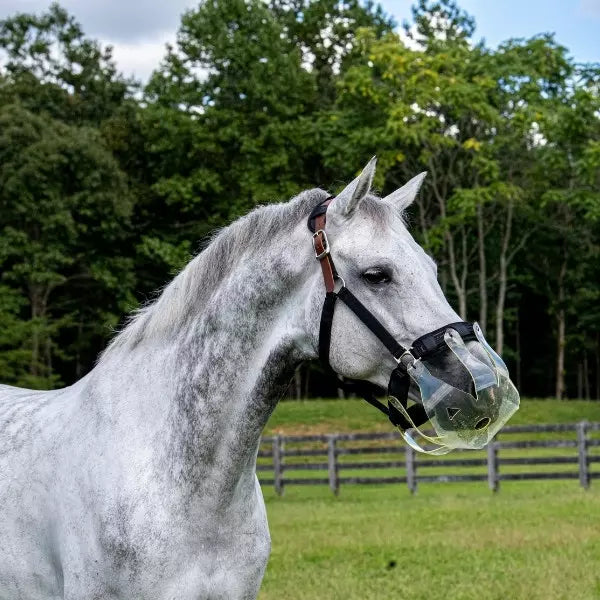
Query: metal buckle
408, 354
339, 280
324, 241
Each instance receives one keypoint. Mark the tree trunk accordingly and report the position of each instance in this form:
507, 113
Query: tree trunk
439, 191
502, 279
423, 222
500, 308
560, 355
560, 335
586, 376
456, 280
518, 350
483, 296
298, 382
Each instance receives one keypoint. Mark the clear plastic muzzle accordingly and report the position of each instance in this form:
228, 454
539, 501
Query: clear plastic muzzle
462, 419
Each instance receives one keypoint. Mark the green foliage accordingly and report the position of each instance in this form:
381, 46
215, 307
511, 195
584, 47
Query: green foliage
51, 66
107, 189
62, 198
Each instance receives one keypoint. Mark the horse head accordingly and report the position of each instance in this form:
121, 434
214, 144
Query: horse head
394, 328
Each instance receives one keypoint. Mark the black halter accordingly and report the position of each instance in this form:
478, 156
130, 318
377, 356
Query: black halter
426, 345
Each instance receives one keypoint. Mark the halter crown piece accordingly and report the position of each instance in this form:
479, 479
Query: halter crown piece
461, 419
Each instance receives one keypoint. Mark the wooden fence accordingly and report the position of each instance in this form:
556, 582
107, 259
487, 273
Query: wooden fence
565, 451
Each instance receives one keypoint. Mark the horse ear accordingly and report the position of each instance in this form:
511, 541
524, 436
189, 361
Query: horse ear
402, 198
355, 192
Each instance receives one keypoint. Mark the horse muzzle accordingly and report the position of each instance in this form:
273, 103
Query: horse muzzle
462, 416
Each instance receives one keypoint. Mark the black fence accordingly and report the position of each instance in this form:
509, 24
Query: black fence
565, 451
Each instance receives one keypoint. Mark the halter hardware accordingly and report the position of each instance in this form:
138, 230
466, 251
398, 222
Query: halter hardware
408, 354
324, 244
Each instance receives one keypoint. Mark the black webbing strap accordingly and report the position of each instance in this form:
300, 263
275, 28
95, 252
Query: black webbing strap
398, 388
367, 317
325, 327
365, 389
362, 388
317, 211
433, 342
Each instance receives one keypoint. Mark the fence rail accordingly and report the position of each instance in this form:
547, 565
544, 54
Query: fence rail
346, 458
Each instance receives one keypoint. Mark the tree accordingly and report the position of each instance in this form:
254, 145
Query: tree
427, 109
50, 66
325, 32
473, 119
63, 208
570, 211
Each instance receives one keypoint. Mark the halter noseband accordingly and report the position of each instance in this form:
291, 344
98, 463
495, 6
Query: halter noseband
426, 345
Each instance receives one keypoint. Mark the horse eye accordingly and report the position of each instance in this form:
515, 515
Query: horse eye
376, 276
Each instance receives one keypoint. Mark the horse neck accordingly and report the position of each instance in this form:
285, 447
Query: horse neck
208, 390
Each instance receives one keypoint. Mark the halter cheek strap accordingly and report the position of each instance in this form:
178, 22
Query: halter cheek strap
316, 223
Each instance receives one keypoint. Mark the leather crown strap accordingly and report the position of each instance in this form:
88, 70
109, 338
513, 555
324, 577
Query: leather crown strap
427, 345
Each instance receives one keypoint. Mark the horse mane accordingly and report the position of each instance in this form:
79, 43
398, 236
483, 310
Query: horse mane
196, 281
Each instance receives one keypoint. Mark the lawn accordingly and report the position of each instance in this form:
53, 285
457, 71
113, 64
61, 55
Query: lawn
328, 416
534, 540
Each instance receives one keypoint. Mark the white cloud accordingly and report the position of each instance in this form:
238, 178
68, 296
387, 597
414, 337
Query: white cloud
140, 58
411, 42
136, 29
119, 20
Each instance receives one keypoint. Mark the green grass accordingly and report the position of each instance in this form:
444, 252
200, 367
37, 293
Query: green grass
530, 541
328, 416
451, 541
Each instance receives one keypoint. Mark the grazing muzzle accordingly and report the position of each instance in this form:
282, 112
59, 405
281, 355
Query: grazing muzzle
462, 418
466, 398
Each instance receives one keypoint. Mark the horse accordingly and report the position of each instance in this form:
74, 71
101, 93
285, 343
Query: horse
139, 480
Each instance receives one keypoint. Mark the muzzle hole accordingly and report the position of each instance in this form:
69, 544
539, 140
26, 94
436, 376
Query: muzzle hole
482, 423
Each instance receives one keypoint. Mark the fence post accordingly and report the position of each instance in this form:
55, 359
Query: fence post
582, 447
332, 466
278, 450
411, 469
492, 465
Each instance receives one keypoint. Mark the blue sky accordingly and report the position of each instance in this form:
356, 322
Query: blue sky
139, 29
576, 23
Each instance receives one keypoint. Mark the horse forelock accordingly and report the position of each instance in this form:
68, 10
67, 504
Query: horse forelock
188, 292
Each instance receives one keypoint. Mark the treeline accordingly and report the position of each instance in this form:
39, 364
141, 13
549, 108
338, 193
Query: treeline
107, 187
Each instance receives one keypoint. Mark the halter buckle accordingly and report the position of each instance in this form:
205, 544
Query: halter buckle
406, 359
324, 242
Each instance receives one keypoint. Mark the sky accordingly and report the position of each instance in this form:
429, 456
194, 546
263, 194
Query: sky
139, 29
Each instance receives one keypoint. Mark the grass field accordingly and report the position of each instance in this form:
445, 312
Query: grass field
532, 540
449, 542
329, 416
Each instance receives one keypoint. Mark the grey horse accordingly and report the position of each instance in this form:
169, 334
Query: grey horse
139, 480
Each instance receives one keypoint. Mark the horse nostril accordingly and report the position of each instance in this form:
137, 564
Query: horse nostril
482, 423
